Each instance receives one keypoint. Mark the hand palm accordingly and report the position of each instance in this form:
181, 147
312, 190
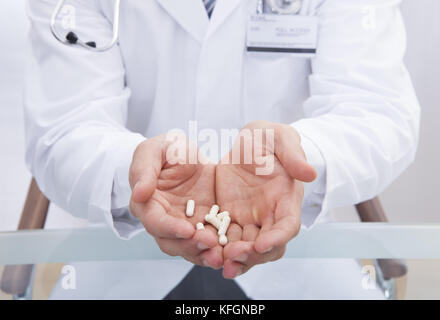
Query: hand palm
177, 184
267, 207
251, 198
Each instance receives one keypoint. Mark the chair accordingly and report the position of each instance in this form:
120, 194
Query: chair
390, 272
17, 279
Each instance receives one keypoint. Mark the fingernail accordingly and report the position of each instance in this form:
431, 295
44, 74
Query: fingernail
202, 246
268, 250
242, 257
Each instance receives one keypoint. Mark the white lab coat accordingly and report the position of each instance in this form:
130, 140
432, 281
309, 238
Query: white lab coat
354, 106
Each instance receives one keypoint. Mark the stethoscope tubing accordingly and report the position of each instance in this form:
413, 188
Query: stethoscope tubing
81, 43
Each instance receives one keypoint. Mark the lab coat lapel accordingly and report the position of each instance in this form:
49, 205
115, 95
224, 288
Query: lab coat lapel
223, 8
190, 14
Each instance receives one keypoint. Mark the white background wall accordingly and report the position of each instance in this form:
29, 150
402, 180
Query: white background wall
412, 198
14, 176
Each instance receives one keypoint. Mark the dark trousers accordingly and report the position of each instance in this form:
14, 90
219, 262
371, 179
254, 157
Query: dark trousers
206, 284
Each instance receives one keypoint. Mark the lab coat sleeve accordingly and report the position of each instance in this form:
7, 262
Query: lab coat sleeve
362, 114
78, 148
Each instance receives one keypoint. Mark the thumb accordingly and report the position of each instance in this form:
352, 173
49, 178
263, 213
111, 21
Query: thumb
145, 185
145, 169
291, 155
298, 169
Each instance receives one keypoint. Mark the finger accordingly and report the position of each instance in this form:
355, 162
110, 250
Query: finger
145, 185
205, 239
232, 269
256, 258
174, 248
250, 232
163, 225
145, 169
289, 151
212, 258
238, 251
180, 247
212, 230
286, 226
245, 254
239, 265
202, 249
241, 256
234, 233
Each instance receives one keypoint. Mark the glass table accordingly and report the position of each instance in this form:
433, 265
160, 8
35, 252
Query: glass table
332, 240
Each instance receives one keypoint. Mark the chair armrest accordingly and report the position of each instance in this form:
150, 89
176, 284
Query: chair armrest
15, 279
372, 211
392, 268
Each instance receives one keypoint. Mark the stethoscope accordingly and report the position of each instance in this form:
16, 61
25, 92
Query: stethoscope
72, 39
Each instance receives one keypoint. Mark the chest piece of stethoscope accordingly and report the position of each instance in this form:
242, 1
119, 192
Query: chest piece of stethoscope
284, 6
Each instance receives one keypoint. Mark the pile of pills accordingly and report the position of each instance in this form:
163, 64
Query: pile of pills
220, 220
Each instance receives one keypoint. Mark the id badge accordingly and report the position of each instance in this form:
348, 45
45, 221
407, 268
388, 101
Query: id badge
277, 34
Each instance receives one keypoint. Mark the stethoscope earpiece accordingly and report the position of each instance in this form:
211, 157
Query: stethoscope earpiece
72, 38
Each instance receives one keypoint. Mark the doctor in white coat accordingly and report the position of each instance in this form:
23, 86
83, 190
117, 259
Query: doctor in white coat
348, 116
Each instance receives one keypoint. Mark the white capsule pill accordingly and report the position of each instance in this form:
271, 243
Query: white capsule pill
212, 219
200, 226
214, 209
224, 225
223, 240
190, 208
223, 214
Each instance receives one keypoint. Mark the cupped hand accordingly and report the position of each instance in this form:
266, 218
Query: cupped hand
263, 195
160, 191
